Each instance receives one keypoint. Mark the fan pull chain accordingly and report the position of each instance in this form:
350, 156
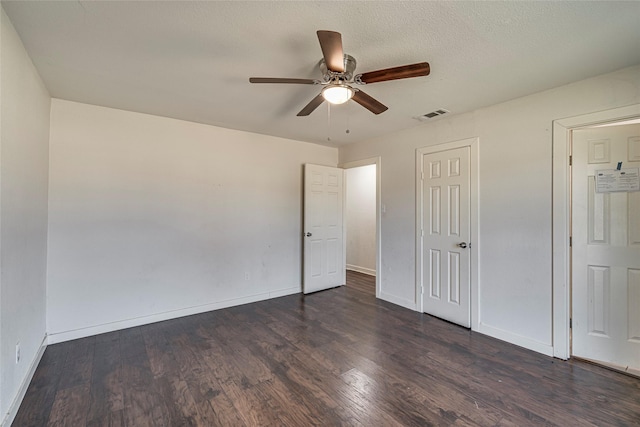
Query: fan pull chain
329, 121
348, 117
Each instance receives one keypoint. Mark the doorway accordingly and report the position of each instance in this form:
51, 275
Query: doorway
362, 220
562, 217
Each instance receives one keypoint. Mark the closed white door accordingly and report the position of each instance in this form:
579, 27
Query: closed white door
324, 261
606, 246
445, 235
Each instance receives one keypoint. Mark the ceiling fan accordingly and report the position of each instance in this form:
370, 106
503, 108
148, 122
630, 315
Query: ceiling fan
337, 77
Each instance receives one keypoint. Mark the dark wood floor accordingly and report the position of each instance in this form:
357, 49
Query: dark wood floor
361, 282
338, 357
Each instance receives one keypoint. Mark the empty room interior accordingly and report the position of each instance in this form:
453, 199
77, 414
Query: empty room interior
319, 213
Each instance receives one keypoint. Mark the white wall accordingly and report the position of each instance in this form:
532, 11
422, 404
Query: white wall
24, 138
515, 201
152, 218
360, 210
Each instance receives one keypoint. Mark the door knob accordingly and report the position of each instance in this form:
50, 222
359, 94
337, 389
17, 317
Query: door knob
462, 245
308, 234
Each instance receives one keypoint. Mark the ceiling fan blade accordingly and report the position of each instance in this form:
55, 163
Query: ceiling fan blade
395, 73
331, 45
371, 104
308, 109
278, 80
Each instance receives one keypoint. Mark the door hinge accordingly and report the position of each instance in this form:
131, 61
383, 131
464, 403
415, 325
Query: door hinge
570, 323
570, 160
570, 241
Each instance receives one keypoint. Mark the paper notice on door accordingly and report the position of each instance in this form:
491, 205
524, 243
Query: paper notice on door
613, 180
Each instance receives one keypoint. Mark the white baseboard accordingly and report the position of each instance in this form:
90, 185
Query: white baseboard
284, 292
56, 337
519, 340
363, 270
411, 305
24, 385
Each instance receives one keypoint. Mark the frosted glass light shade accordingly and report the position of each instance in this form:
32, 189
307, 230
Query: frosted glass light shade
337, 94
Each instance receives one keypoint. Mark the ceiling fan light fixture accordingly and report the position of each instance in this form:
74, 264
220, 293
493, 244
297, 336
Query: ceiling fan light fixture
337, 94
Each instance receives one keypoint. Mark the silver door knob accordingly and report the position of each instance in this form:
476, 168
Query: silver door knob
308, 234
462, 245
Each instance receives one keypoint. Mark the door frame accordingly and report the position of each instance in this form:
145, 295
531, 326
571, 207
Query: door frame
561, 217
474, 187
355, 164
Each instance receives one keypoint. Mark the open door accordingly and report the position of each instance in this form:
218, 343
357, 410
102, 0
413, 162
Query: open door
324, 261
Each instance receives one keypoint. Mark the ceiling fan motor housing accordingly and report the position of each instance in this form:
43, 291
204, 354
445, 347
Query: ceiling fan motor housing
347, 75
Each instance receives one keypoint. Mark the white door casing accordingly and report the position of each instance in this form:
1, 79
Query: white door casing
605, 249
444, 227
561, 265
324, 261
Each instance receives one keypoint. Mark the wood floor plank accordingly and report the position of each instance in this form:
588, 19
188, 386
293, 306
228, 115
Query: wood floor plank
111, 419
219, 411
338, 357
106, 393
69, 407
213, 406
77, 372
362, 282
142, 402
40, 396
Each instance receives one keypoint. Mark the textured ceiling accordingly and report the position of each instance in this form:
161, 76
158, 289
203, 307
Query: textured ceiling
192, 60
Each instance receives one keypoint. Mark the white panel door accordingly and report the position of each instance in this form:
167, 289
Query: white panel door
446, 228
606, 249
324, 262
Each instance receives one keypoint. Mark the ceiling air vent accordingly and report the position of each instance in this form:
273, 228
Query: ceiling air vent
432, 114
